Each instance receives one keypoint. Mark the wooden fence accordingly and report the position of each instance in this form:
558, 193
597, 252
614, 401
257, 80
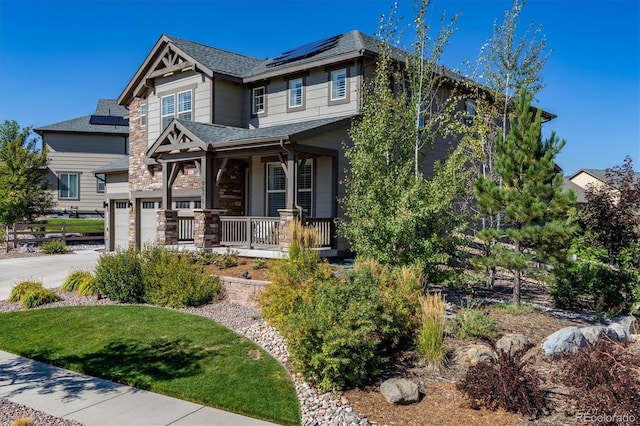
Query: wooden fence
23, 233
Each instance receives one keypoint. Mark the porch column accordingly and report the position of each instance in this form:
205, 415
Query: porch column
206, 228
167, 172
287, 218
167, 227
208, 174
291, 172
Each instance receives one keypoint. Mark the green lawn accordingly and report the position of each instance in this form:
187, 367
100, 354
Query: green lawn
77, 225
169, 352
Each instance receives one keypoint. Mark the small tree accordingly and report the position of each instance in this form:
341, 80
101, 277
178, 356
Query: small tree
23, 189
612, 210
528, 194
395, 214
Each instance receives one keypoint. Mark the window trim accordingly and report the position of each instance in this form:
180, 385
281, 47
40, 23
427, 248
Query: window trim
342, 100
175, 93
311, 190
263, 112
172, 115
143, 115
302, 106
190, 110
266, 185
60, 174
102, 181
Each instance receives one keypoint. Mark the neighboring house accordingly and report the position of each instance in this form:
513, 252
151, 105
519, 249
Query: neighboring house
584, 178
76, 148
227, 150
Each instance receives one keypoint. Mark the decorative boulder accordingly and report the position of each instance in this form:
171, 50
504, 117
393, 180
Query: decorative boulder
512, 343
473, 354
400, 391
568, 339
618, 330
629, 326
596, 332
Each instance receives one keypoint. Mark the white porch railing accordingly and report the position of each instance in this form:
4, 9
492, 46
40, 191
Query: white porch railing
325, 228
185, 228
249, 231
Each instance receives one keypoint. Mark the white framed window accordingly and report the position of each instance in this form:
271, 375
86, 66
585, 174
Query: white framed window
143, 115
296, 87
69, 186
168, 109
101, 180
258, 100
276, 189
305, 187
182, 204
184, 105
339, 84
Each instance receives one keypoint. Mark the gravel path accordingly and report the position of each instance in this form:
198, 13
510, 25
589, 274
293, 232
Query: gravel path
318, 409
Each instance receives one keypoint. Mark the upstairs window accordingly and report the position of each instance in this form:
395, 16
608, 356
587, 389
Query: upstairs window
69, 185
296, 93
258, 100
101, 179
143, 115
168, 110
184, 105
339, 84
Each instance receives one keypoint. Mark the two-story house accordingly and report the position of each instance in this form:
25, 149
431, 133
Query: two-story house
228, 149
76, 148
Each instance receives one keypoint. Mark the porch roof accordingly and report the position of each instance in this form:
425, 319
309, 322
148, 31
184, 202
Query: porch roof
213, 137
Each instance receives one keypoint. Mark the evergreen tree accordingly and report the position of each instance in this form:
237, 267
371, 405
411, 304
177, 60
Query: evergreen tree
23, 189
528, 194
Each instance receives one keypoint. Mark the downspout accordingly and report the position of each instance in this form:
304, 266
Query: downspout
295, 193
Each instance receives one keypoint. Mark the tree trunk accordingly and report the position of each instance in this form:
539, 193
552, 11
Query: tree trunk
517, 280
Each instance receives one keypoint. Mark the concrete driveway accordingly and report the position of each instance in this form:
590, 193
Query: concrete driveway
50, 270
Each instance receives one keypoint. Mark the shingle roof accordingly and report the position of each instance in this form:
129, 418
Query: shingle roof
218, 60
599, 174
567, 185
119, 165
83, 125
215, 134
110, 107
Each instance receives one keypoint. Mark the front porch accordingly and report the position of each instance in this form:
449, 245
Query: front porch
253, 236
249, 192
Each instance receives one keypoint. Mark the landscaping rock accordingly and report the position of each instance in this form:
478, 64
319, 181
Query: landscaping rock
400, 391
27, 248
629, 325
473, 354
619, 331
596, 332
512, 343
565, 340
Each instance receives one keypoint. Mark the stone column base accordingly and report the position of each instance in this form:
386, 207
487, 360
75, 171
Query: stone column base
287, 217
206, 228
167, 226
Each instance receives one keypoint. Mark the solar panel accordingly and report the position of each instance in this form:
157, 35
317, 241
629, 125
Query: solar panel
305, 51
108, 120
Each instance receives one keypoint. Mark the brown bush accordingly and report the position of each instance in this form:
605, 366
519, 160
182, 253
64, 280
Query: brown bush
505, 382
604, 383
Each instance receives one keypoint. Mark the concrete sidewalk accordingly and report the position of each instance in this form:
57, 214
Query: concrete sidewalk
50, 270
93, 401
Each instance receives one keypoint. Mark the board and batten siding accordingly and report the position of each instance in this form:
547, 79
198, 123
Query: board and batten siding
316, 99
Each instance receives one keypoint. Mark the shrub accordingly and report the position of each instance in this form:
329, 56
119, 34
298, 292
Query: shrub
75, 279
227, 260
342, 330
202, 257
88, 287
505, 382
431, 333
23, 288
38, 297
603, 382
513, 309
472, 323
119, 276
54, 247
609, 289
23, 421
170, 279
259, 264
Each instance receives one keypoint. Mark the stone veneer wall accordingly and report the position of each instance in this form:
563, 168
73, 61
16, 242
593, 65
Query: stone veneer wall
206, 228
140, 176
231, 188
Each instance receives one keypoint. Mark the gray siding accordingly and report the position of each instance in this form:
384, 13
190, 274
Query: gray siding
229, 105
86, 143
89, 199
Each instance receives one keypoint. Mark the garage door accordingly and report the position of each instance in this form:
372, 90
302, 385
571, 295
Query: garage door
120, 224
148, 222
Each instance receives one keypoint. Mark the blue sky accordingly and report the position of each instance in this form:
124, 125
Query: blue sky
57, 58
